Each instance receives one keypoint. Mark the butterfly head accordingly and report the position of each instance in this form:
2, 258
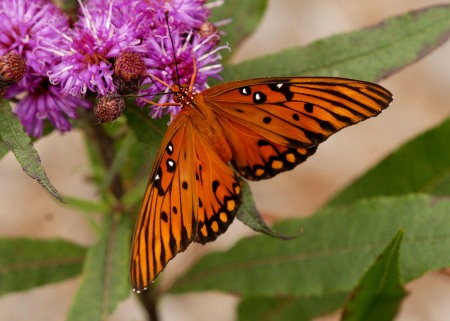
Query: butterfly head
182, 95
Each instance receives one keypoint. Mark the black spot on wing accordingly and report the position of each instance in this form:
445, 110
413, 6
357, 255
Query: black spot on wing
245, 91
169, 148
263, 142
259, 97
173, 245
215, 186
267, 120
171, 165
164, 217
284, 89
309, 107
157, 182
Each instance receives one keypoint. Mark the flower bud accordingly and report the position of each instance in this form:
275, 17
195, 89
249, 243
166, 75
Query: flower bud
12, 69
109, 108
129, 69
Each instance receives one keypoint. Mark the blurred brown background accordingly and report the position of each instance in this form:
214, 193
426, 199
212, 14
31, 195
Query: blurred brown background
422, 98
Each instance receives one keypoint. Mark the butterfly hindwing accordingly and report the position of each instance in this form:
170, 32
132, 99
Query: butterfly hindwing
273, 124
167, 222
256, 157
219, 192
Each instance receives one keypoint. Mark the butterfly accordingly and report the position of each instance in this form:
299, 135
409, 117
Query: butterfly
252, 129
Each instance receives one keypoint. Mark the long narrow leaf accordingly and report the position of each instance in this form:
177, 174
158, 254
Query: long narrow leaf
245, 16
288, 308
105, 273
3, 148
370, 54
27, 263
19, 143
336, 242
379, 293
421, 165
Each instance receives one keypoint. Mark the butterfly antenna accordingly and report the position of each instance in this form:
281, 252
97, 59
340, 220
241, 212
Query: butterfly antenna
153, 78
194, 74
173, 49
155, 83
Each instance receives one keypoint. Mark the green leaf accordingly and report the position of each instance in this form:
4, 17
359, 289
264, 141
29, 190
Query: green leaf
245, 17
287, 309
135, 194
27, 263
97, 170
120, 158
3, 148
86, 206
421, 165
146, 129
250, 216
370, 54
339, 241
379, 293
105, 273
138, 163
19, 143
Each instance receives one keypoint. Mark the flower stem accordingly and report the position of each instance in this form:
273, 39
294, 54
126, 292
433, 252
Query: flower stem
104, 145
148, 300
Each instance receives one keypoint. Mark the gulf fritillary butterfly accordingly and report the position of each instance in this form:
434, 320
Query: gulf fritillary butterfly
251, 129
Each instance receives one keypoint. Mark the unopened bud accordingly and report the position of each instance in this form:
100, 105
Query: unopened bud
109, 108
12, 69
129, 69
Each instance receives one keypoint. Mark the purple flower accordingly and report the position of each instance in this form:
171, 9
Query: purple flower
88, 53
66, 63
24, 25
137, 14
182, 14
44, 101
161, 63
185, 19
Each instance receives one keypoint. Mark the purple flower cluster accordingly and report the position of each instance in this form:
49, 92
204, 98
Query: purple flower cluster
23, 24
65, 63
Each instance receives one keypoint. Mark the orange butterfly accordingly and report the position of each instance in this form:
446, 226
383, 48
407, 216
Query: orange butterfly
253, 128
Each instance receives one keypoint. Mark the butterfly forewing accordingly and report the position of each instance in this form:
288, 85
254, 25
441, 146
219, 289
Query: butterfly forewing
166, 223
193, 195
274, 124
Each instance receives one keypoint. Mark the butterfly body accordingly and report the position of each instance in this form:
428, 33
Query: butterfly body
203, 119
253, 129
